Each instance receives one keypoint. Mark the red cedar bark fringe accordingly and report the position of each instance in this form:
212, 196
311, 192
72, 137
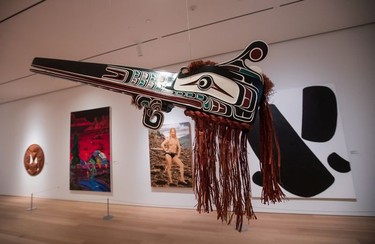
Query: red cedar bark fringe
221, 170
221, 142
270, 169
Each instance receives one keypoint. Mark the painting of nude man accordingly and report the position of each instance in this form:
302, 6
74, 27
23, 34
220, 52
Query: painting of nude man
171, 156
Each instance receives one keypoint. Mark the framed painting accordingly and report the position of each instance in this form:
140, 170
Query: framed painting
315, 161
171, 156
90, 150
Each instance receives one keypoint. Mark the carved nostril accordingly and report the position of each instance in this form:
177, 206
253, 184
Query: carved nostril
184, 70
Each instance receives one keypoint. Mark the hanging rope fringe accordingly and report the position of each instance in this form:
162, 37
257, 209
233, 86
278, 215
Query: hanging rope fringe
270, 151
221, 169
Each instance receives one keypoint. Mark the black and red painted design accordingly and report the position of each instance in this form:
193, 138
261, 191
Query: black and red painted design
222, 99
230, 89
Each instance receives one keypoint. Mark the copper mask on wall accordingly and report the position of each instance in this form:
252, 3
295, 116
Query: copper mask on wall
34, 159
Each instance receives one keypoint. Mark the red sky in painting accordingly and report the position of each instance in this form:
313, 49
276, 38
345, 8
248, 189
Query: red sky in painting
92, 127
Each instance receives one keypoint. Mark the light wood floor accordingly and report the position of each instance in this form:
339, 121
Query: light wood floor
56, 221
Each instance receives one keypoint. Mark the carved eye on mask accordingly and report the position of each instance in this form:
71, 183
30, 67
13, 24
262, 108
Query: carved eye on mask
205, 82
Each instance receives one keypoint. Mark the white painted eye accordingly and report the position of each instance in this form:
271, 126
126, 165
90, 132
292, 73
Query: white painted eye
205, 82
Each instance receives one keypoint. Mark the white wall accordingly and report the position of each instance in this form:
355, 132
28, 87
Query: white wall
343, 58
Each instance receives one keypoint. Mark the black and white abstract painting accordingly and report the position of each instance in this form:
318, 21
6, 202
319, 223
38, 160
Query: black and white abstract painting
315, 161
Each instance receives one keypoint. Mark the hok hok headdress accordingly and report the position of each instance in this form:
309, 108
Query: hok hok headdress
223, 100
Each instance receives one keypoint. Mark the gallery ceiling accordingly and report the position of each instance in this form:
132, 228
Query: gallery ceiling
151, 33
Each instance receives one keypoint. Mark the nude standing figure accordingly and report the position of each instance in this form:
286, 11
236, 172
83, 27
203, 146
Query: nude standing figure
172, 149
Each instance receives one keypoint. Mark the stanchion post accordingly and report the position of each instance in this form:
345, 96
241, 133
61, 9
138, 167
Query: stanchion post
108, 216
31, 203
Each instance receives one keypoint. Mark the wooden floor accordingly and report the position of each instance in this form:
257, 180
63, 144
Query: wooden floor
56, 221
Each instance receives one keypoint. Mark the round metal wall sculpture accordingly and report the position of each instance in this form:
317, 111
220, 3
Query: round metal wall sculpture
34, 159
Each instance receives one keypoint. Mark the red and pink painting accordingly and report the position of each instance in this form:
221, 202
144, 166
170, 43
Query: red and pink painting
90, 150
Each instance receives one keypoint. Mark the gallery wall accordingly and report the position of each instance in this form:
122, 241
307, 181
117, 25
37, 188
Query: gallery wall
342, 59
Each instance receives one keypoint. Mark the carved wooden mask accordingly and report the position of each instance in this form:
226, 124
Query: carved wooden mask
34, 159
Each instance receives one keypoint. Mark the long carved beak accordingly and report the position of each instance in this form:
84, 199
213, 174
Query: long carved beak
229, 89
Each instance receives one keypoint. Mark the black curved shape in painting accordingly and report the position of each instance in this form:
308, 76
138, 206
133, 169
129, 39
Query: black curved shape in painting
302, 173
319, 116
257, 178
338, 163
